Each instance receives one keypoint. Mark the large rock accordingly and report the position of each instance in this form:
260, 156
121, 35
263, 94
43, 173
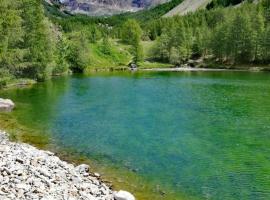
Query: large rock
123, 195
6, 105
82, 169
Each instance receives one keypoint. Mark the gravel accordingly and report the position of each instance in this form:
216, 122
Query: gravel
32, 174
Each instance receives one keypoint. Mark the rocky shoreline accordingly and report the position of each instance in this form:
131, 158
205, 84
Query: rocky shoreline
28, 173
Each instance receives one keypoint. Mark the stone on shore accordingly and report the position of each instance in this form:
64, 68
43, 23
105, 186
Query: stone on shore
6, 105
27, 173
123, 195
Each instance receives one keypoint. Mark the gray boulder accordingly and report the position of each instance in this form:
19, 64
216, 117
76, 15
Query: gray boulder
6, 105
82, 169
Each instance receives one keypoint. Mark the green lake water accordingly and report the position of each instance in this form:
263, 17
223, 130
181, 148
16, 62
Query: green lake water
190, 135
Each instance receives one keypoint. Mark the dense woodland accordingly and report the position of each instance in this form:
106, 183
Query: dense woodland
232, 35
38, 41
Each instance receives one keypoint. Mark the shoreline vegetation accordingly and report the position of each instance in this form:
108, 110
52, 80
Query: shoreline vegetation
160, 67
40, 41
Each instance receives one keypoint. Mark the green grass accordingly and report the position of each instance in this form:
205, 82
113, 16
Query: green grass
148, 63
118, 57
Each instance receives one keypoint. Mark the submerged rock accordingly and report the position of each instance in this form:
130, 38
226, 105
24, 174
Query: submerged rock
6, 105
123, 195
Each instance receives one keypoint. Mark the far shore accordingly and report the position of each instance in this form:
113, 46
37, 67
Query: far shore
187, 69
22, 83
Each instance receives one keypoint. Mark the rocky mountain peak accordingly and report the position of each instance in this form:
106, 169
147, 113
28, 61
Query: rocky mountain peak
106, 7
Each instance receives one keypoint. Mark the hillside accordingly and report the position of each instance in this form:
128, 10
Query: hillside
187, 6
105, 7
190, 6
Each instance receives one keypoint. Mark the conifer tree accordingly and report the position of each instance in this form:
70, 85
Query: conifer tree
38, 40
11, 34
240, 38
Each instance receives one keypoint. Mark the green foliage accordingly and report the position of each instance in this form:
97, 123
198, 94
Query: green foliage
61, 53
131, 32
79, 51
231, 35
106, 46
138, 52
39, 40
38, 44
119, 56
30, 45
11, 35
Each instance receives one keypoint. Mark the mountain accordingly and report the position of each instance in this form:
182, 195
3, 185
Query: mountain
187, 6
105, 7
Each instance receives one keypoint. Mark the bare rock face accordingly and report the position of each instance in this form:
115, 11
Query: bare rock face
106, 7
6, 105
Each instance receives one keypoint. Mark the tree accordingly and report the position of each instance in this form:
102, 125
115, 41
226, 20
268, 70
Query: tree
266, 45
39, 40
131, 32
106, 46
258, 29
11, 34
174, 56
219, 42
61, 56
161, 49
240, 38
138, 52
79, 51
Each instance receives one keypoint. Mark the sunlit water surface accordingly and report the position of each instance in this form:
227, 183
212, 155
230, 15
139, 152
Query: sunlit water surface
203, 135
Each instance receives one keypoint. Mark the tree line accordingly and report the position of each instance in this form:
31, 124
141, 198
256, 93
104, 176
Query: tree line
232, 35
33, 47
37, 41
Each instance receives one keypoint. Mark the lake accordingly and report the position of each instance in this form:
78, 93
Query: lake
160, 135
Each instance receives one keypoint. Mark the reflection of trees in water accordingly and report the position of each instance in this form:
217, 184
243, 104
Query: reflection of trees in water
37, 105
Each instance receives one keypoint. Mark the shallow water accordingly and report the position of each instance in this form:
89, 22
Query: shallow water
202, 135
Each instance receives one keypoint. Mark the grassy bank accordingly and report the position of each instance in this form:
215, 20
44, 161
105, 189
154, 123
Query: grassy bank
115, 55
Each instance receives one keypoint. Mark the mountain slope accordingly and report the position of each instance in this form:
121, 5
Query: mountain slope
106, 7
187, 6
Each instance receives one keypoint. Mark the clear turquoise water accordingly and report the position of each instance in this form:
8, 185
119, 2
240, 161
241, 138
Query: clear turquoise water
203, 134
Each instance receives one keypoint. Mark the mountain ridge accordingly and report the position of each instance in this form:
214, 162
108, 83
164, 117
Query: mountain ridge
105, 7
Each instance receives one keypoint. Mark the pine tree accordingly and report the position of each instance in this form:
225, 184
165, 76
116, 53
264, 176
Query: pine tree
257, 30
266, 45
106, 46
11, 34
174, 56
138, 52
220, 42
38, 40
79, 51
61, 56
240, 38
131, 32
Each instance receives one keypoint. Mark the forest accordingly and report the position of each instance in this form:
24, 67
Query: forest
37, 41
